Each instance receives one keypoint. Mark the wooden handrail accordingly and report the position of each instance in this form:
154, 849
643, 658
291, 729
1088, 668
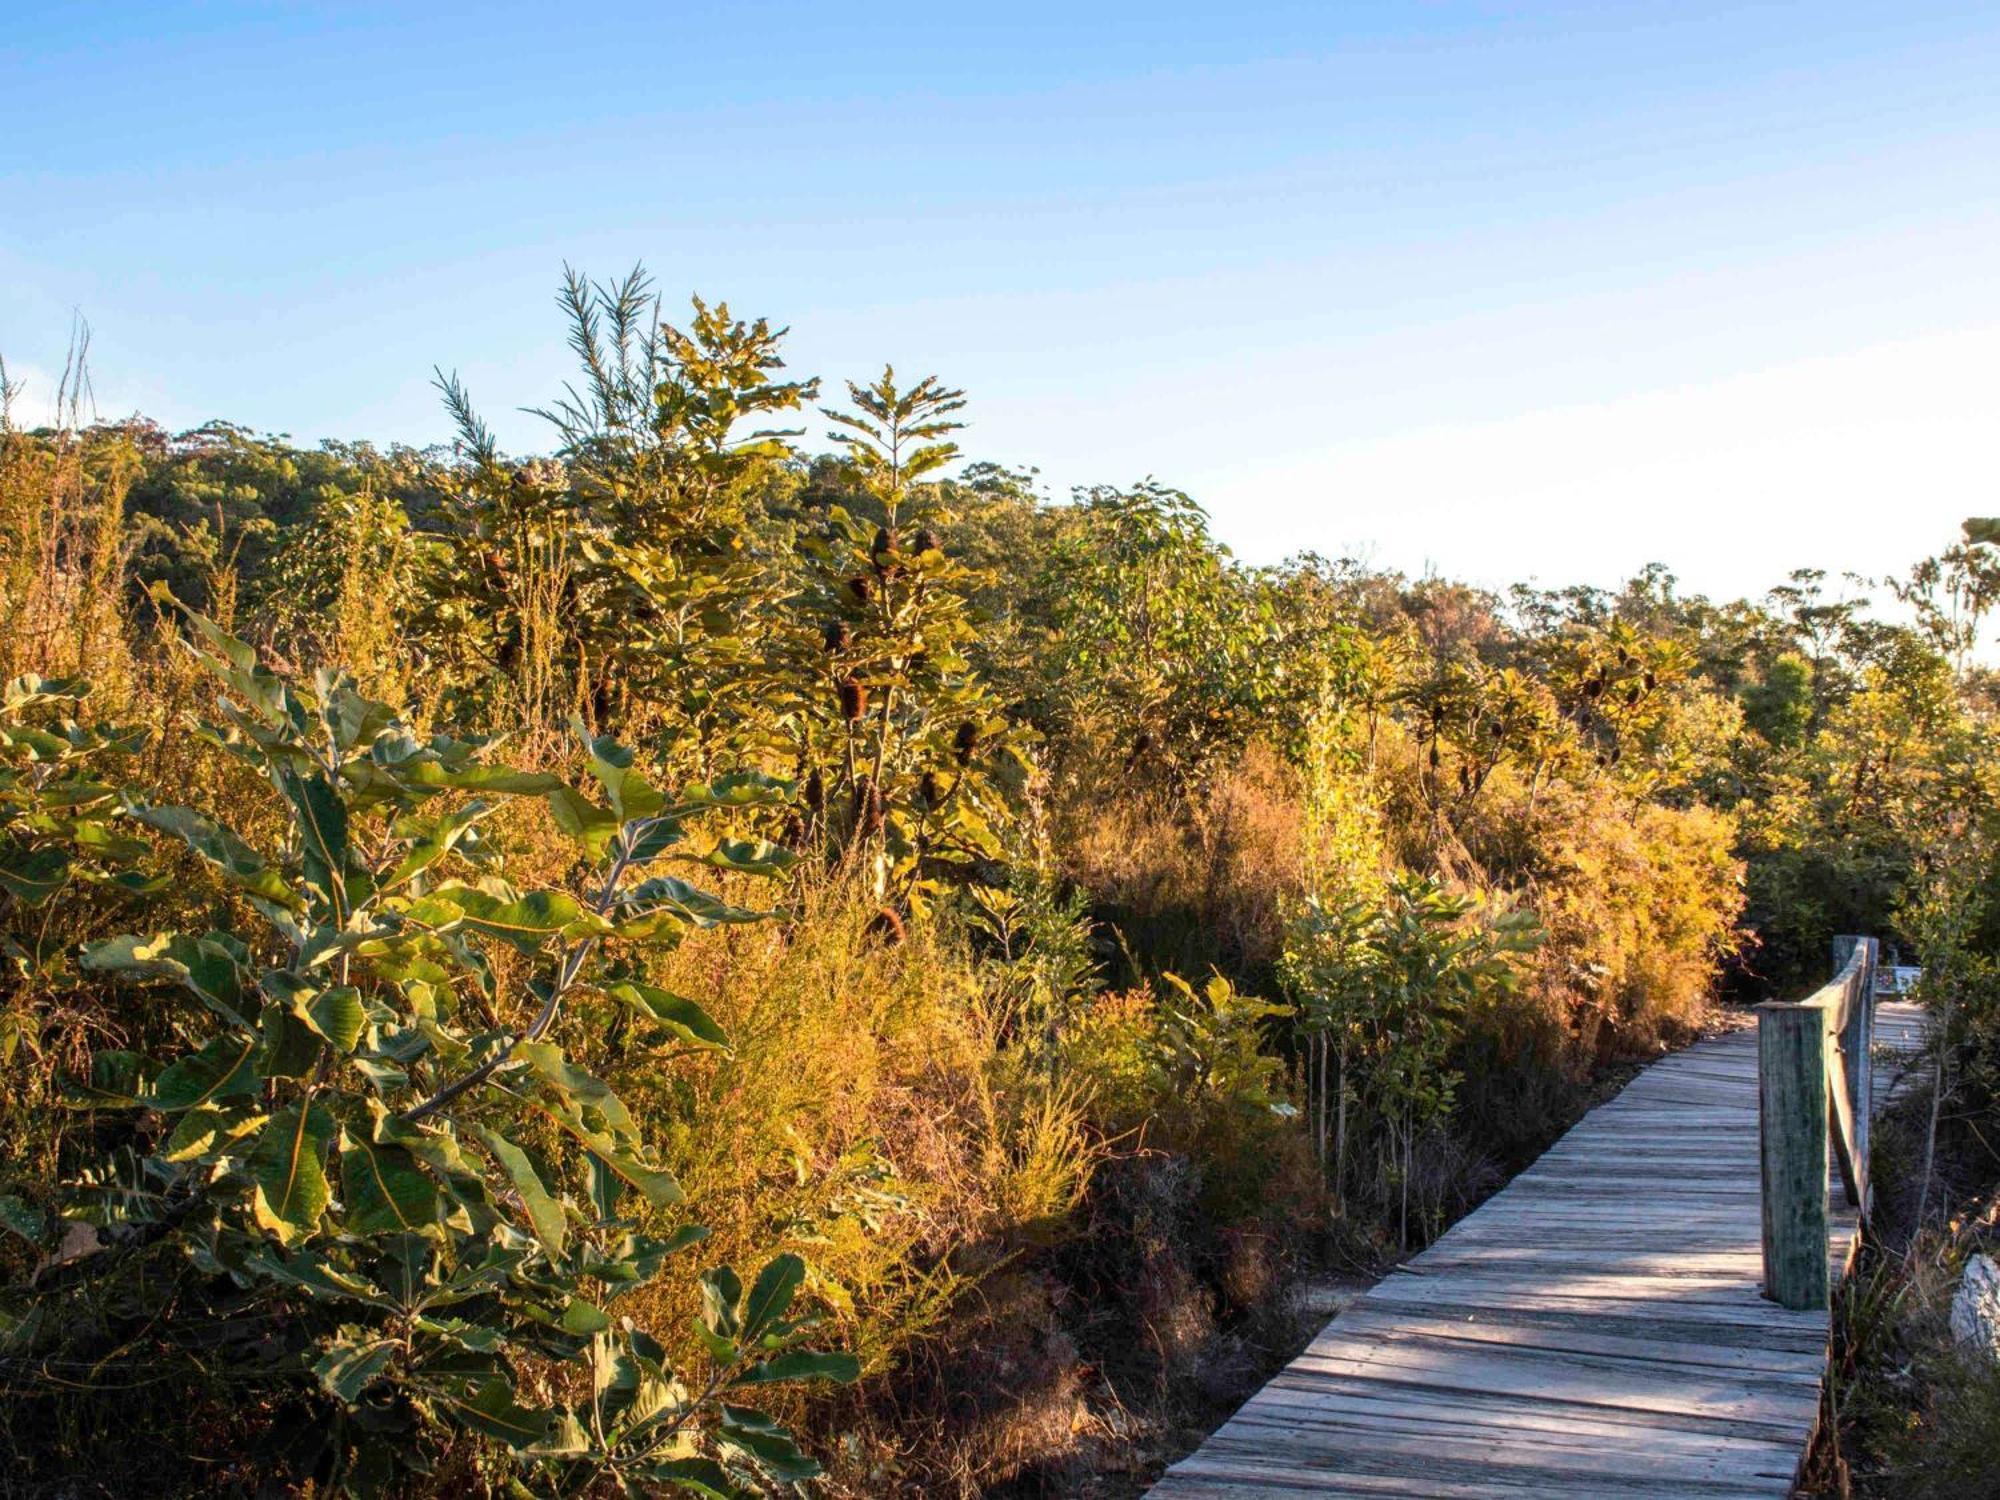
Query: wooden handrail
1813, 1082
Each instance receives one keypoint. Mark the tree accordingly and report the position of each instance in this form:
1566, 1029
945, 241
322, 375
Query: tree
902, 748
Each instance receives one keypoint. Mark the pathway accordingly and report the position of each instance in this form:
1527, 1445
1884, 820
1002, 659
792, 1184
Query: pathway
1596, 1328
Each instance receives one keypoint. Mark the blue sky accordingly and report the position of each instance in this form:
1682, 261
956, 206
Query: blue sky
1499, 290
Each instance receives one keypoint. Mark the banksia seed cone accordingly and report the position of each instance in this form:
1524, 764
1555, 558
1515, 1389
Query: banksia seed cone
927, 789
853, 699
887, 925
1594, 687
966, 741
883, 553
1435, 757
839, 635
860, 588
867, 808
927, 541
815, 792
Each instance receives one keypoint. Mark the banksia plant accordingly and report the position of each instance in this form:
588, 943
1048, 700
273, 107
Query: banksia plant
892, 683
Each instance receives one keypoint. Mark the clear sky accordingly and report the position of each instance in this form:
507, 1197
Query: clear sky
1504, 290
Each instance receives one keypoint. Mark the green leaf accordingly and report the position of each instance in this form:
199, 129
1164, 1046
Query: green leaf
33, 876
433, 839
686, 1020
220, 1070
582, 1317
211, 967
630, 794
775, 1287
655, 1184
721, 1295
349, 1367
22, 1218
336, 1015
564, 1439
493, 1411
751, 856
115, 1082
235, 860
551, 1224
322, 823
593, 827
203, 1133
288, 1167
525, 923
665, 902
384, 1189
32, 690
652, 838
312, 1274
699, 1476
738, 789
578, 1087
352, 719
775, 1450
802, 1364
291, 1048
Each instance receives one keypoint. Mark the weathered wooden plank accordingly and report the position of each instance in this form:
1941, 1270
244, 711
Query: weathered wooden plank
1391, 1445
1250, 1476
1499, 1418
1569, 1338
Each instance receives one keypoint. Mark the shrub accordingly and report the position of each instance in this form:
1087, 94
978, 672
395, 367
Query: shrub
429, 1202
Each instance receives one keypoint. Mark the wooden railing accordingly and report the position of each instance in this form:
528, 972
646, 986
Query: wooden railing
1813, 1081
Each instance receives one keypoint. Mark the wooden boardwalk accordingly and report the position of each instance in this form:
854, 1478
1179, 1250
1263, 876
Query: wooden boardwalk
1596, 1328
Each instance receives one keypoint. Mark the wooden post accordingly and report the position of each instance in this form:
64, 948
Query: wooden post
1856, 1044
1791, 1128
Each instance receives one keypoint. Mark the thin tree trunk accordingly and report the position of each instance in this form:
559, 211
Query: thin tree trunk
1340, 1133
1403, 1224
1930, 1134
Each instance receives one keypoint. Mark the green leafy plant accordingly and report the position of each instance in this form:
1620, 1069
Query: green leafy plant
61, 838
1392, 979
905, 754
377, 1124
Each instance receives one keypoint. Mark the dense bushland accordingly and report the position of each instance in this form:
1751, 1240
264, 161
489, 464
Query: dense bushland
457, 906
